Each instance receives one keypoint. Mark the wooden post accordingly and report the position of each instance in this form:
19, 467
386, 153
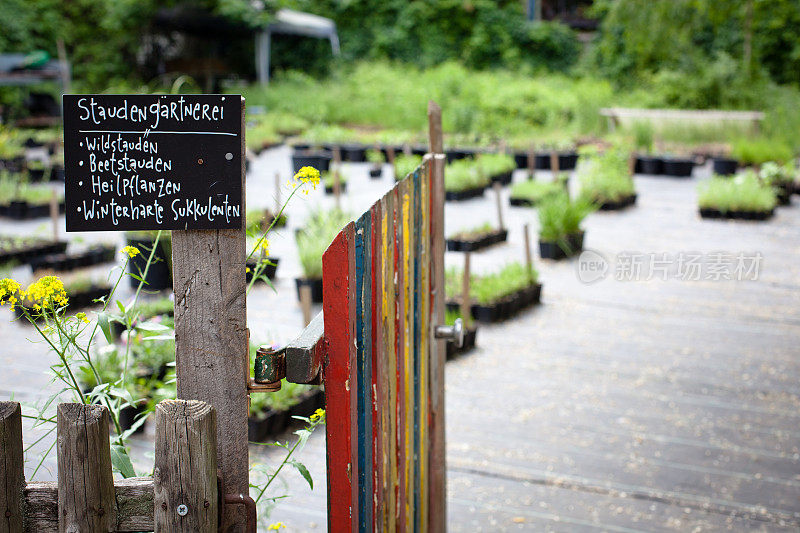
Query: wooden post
54, 215
437, 495
554, 166
211, 349
390, 155
12, 474
407, 149
277, 193
466, 313
86, 498
528, 256
531, 163
185, 474
305, 303
498, 188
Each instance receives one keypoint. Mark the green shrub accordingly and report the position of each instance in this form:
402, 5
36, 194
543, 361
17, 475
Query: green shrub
559, 216
776, 175
464, 174
745, 192
604, 176
535, 191
312, 241
761, 150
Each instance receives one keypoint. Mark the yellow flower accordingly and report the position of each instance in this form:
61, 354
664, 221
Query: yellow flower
319, 414
264, 246
82, 317
308, 175
276, 526
132, 251
10, 292
48, 293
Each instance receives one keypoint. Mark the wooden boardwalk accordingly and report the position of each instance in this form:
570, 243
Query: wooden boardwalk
616, 406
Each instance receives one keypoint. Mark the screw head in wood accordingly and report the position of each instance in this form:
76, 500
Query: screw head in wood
164, 505
183, 510
200, 161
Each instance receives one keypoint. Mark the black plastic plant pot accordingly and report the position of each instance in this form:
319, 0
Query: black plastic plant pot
319, 159
17, 210
375, 173
521, 202
466, 194
454, 154
614, 205
342, 188
712, 213
567, 247
724, 166
503, 178
159, 275
541, 161
521, 159
269, 270
470, 335
316, 288
353, 153
484, 241
651, 165
678, 167
36, 174
567, 160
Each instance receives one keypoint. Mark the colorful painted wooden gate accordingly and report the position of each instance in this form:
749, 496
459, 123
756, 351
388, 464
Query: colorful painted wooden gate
383, 296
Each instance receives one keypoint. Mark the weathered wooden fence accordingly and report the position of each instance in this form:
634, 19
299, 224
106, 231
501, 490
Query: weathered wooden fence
182, 495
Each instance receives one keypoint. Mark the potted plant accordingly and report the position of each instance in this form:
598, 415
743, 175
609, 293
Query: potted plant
605, 178
528, 193
560, 218
159, 275
376, 158
498, 295
756, 152
463, 180
476, 238
312, 241
780, 178
497, 167
329, 180
744, 197
646, 162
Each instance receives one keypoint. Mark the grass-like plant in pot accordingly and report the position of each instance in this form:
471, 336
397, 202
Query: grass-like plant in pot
497, 295
496, 167
476, 238
377, 159
532, 192
760, 150
744, 196
560, 218
312, 241
463, 179
405, 164
605, 178
329, 180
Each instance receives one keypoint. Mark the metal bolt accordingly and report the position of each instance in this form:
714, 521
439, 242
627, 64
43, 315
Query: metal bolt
164, 505
200, 161
206, 504
183, 510
8, 514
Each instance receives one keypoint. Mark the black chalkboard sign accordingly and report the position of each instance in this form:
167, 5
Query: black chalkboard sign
147, 162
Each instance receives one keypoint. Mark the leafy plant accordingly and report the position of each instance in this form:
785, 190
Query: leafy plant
643, 136
375, 157
776, 175
760, 151
604, 176
474, 233
329, 179
560, 216
491, 165
744, 192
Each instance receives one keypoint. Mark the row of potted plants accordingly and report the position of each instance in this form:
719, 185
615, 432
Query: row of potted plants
477, 238
25, 249
560, 219
604, 177
496, 296
19, 199
743, 197
531, 192
64, 261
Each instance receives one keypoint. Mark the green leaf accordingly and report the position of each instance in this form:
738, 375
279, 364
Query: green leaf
300, 467
121, 307
121, 461
105, 327
155, 327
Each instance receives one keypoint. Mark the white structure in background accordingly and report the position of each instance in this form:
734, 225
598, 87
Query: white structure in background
297, 23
